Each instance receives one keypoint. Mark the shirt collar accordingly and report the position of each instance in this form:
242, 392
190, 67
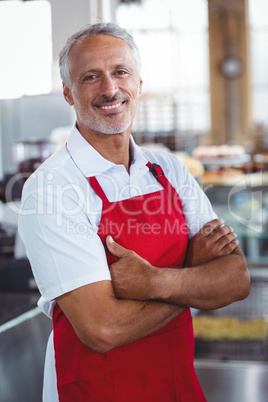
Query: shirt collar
90, 162
139, 159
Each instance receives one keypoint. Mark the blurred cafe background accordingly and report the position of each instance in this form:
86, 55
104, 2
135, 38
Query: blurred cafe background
205, 98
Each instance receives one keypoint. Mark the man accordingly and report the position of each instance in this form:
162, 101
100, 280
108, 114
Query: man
102, 202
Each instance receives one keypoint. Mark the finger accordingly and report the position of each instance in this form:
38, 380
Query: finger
230, 247
209, 227
221, 231
115, 248
226, 239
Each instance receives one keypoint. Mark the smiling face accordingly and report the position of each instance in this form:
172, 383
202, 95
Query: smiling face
104, 85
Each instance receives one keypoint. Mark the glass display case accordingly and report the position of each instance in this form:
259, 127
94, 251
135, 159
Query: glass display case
243, 204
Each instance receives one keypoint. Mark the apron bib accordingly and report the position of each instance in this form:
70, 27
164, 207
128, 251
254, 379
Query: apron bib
158, 367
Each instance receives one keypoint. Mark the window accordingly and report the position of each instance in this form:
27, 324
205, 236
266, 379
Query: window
172, 37
258, 11
25, 48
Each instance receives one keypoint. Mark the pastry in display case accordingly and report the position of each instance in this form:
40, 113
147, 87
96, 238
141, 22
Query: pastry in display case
223, 164
195, 166
261, 161
229, 328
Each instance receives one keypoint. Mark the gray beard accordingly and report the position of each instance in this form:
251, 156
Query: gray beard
104, 126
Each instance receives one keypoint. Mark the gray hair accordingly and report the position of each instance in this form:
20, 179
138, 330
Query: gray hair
102, 28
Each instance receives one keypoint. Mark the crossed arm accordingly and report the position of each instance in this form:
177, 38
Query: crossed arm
214, 273
142, 299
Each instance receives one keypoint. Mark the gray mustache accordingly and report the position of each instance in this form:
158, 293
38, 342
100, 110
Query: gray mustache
107, 99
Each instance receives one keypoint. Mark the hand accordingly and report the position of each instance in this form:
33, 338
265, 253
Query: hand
130, 274
213, 240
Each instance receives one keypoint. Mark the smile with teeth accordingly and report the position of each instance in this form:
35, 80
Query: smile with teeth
111, 107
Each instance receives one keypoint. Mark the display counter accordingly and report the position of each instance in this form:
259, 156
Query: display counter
233, 381
234, 366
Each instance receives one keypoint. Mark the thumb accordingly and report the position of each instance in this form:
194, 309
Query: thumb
115, 248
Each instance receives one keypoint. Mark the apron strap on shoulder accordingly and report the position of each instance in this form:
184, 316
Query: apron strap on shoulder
97, 188
158, 173
155, 169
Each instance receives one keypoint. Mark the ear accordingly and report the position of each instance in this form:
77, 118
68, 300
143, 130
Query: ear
67, 94
140, 86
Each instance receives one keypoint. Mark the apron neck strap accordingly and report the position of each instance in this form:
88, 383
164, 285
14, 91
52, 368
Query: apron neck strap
155, 169
97, 188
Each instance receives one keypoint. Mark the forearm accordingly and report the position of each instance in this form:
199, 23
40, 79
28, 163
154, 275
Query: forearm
208, 286
133, 320
102, 322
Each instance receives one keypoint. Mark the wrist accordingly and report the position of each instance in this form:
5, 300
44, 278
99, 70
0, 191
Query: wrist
156, 285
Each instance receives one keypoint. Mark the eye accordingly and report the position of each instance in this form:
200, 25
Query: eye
121, 72
89, 77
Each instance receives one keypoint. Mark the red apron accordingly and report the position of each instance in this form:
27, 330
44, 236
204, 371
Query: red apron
159, 367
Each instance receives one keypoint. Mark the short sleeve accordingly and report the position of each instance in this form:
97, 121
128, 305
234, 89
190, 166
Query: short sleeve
64, 250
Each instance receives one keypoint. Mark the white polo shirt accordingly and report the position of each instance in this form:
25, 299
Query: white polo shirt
60, 214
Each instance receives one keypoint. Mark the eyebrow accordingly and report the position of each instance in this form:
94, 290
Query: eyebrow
118, 66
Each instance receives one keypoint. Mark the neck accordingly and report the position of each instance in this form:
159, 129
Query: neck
113, 147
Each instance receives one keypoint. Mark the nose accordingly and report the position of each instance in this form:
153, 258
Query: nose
108, 85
